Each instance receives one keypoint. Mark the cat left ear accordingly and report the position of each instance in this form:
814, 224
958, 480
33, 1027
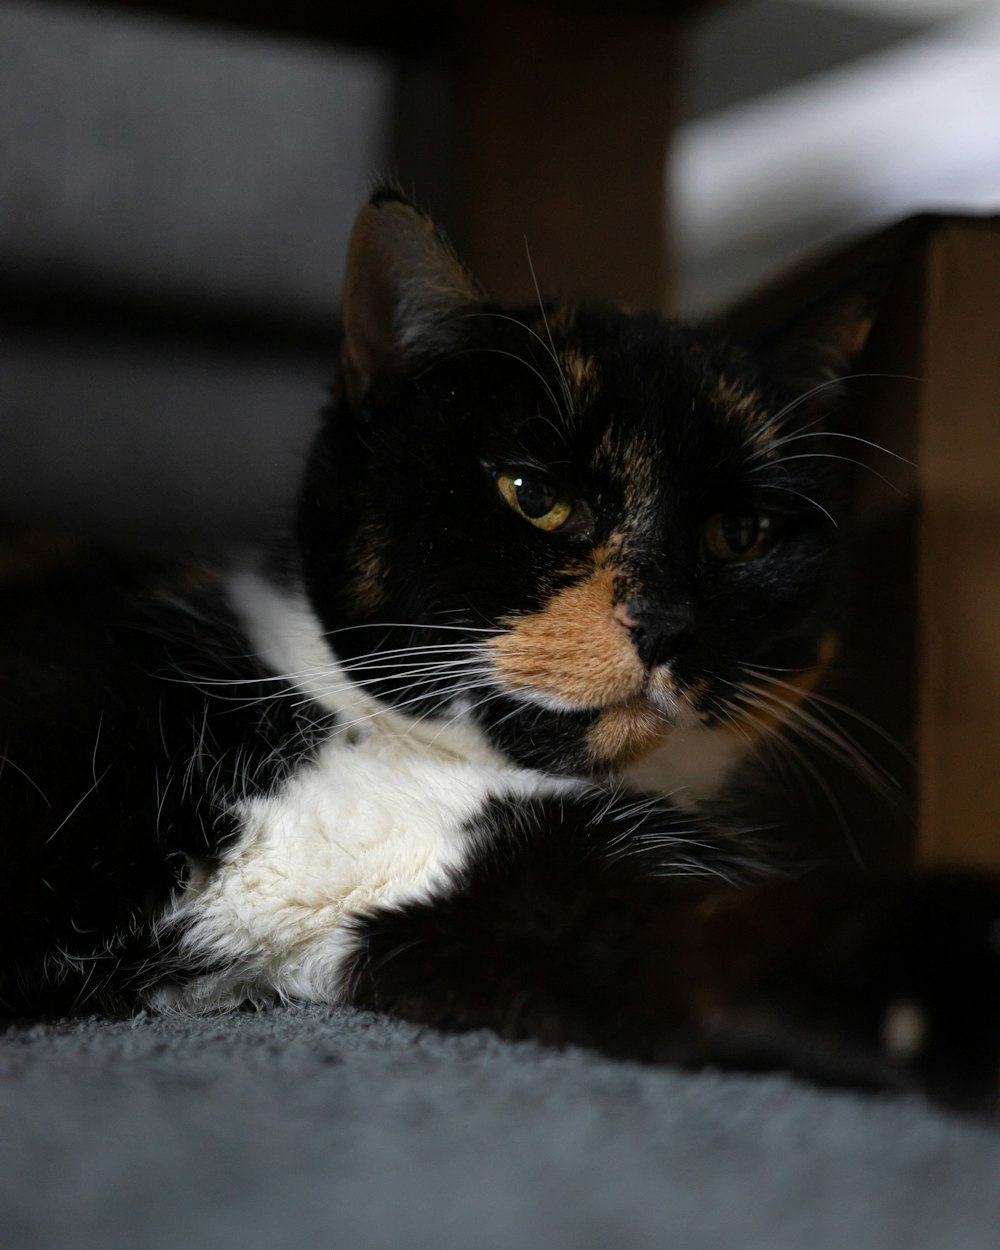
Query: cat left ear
403, 290
823, 343
824, 340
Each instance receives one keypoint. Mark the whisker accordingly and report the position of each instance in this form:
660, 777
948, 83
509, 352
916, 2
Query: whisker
548, 348
834, 739
72, 811
464, 629
7, 762
779, 742
567, 394
499, 351
789, 491
829, 455
460, 713
816, 390
823, 699
837, 744
335, 665
398, 707
417, 677
312, 687
854, 438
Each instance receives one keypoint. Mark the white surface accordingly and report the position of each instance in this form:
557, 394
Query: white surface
909, 10
761, 185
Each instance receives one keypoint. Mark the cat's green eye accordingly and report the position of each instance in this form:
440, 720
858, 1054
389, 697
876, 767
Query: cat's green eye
737, 536
534, 499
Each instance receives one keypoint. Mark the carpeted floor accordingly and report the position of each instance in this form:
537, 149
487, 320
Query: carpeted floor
300, 1128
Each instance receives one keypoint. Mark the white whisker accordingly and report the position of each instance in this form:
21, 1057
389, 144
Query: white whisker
499, 351
567, 393
810, 394
829, 455
548, 348
822, 699
789, 491
778, 742
854, 438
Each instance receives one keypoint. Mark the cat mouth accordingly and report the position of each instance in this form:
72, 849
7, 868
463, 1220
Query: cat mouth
571, 660
655, 702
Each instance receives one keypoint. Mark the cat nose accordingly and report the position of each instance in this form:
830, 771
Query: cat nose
657, 632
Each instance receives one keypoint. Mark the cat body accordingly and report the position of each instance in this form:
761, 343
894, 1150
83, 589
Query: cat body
446, 752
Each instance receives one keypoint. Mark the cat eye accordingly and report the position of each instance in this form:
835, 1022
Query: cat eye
535, 499
738, 536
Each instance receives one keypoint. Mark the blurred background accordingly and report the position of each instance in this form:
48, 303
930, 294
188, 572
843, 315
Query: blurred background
176, 194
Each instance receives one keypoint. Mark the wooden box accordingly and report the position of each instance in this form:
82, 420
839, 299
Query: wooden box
923, 656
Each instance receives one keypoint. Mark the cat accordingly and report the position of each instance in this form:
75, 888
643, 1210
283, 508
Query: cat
449, 750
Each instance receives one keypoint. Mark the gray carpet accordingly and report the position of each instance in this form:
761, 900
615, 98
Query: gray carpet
307, 1127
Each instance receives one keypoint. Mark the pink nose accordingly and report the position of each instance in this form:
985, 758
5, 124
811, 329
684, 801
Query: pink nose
624, 617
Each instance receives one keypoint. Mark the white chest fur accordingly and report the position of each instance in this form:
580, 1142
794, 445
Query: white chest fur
379, 822
377, 816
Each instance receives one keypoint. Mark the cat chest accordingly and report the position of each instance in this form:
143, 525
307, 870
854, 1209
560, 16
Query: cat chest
375, 824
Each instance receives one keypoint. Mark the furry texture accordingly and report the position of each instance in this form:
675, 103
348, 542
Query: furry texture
549, 566
378, 816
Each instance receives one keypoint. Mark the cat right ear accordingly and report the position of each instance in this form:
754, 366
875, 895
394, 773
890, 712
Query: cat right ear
403, 289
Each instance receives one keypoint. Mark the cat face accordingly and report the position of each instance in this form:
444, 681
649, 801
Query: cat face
584, 530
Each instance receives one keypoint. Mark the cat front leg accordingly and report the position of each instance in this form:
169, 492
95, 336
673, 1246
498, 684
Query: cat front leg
562, 935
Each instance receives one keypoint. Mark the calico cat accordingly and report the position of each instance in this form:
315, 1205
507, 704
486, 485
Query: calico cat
444, 753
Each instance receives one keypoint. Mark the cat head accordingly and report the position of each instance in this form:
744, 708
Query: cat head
584, 531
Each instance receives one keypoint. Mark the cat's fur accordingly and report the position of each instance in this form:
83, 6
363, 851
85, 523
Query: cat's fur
420, 758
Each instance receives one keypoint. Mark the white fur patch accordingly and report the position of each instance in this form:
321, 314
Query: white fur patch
692, 766
285, 634
376, 816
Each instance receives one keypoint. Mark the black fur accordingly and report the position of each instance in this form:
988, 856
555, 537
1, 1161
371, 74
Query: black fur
417, 445
134, 715
131, 716
567, 932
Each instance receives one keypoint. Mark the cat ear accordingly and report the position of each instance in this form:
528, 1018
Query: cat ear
403, 289
817, 340
823, 342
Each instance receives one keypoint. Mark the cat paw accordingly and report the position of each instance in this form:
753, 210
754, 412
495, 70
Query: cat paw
927, 973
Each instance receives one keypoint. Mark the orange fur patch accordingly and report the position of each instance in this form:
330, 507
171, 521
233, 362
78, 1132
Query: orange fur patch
559, 320
573, 649
581, 374
739, 403
368, 558
745, 408
626, 457
793, 690
625, 733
